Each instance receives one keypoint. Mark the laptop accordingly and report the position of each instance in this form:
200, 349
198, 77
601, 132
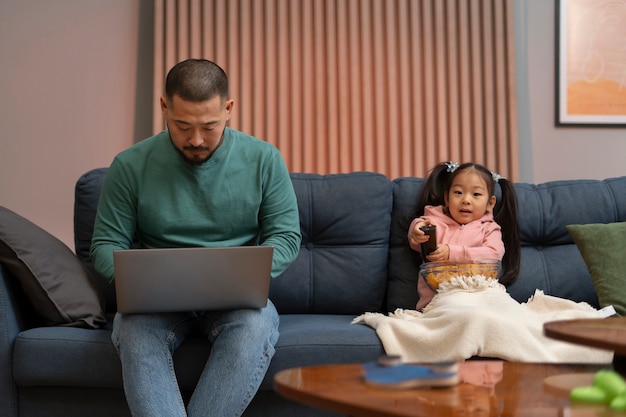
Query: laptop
192, 279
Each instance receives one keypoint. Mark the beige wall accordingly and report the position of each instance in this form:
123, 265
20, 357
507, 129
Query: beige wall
67, 100
72, 91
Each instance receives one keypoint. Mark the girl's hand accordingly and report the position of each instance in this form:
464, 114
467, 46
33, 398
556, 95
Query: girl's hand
442, 253
417, 236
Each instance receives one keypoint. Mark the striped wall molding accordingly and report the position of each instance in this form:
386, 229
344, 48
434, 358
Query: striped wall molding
391, 86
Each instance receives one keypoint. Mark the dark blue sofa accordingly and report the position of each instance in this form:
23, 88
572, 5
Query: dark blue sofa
354, 259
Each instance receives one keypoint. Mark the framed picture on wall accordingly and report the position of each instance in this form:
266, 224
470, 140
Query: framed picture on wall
591, 62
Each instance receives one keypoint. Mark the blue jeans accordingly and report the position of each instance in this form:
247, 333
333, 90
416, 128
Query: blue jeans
242, 347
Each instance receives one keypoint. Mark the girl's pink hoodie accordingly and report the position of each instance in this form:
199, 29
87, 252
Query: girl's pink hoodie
480, 239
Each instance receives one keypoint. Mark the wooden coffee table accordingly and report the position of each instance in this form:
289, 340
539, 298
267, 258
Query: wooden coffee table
608, 333
488, 388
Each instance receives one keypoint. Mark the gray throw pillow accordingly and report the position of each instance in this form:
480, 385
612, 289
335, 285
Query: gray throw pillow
59, 288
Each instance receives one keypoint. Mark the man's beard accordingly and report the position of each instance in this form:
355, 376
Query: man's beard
196, 159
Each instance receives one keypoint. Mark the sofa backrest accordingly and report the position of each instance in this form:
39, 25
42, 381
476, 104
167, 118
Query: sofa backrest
355, 257
550, 259
403, 261
342, 264
86, 195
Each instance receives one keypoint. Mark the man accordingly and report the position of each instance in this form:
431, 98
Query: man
198, 183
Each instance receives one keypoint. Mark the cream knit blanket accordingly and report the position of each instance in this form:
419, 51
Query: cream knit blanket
475, 316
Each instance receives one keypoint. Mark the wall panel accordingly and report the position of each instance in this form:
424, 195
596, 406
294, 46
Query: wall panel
392, 86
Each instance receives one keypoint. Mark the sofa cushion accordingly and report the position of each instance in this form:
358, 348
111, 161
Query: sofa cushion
319, 339
59, 288
342, 216
70, 357
550, 259
86, 195
48, 356
342, 264
602, 248
558, 270
403, 261
545, 209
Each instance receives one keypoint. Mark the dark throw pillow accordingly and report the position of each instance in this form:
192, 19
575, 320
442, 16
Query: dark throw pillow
60, 289
602, 248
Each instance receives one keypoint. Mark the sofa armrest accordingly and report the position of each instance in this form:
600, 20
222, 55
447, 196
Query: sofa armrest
15, 316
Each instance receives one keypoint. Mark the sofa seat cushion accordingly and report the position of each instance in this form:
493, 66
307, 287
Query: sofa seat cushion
72, 357
305, 339
65, 356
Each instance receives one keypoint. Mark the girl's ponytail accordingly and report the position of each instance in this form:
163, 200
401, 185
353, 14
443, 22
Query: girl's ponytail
505, 215
435, 187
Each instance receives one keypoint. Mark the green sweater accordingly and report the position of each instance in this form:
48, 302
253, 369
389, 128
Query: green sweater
243, 193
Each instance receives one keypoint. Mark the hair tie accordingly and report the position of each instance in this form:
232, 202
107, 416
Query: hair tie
496, 177
452, 166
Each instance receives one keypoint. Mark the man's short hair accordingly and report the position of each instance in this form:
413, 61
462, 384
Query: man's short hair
196, 80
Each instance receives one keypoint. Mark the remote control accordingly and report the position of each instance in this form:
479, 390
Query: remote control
431, 244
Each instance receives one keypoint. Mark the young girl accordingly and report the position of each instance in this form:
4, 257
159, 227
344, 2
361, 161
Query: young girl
461, 202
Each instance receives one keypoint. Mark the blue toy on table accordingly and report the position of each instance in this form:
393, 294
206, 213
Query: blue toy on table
389, 372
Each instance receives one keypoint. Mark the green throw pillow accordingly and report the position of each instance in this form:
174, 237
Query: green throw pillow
55, 281
602, 247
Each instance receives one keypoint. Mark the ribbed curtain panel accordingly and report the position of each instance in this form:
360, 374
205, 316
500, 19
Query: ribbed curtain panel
390, 86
